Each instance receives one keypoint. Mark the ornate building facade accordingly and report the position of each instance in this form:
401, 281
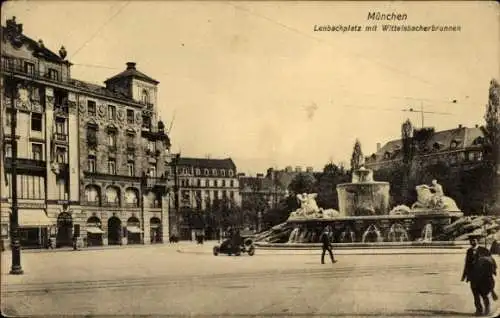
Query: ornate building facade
91, 159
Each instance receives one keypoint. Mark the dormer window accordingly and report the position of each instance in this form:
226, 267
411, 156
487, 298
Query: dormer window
206, 172
478, 141
222, 172
145, 96
230, 173
387, 155
454, 144
214, 172
198, 171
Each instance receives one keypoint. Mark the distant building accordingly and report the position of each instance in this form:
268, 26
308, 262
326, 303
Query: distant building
201, 182
461, 146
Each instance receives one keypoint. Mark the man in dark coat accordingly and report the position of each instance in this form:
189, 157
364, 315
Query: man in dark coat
479, 269
326, 246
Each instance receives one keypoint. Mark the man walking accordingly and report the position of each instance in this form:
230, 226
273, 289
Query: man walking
479, 269
327, 246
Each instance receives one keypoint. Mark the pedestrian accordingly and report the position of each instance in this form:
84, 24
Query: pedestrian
75, 240
326, 246
479, 269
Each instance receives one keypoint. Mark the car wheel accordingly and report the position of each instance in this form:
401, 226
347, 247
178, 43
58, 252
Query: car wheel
216, 251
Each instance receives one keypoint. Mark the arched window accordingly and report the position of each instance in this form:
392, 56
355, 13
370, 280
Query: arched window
92, 194
145, 96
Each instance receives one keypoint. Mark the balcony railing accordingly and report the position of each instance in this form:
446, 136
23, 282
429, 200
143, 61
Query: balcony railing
8, 66
152, 182
26, 164
61, 109
111, 204
61, 137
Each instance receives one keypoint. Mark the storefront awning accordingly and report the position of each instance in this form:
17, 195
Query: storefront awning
33, 218
134, 229
94, 230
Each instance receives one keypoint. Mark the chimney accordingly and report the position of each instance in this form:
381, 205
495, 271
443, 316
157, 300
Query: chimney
131, 65
298, 169
260, 175
378, 146
289, 169
477, 126
460, 126
241, 174
309, 169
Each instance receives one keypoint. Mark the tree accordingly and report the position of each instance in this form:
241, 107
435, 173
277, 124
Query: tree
491, 133
357, 156
408, 153
302, 183
326, 186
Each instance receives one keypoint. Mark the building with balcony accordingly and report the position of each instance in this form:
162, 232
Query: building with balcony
91, 159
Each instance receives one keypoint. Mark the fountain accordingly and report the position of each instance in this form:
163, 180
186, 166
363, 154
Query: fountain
364, 217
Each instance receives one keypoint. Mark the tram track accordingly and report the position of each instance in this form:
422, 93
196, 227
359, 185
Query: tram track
225, 280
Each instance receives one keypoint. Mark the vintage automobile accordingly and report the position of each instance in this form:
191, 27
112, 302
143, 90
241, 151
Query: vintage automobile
230, 248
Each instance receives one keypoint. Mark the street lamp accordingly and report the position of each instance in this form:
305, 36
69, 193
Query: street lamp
16, 268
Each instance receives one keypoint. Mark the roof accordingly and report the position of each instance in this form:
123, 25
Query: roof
207, 163
97, 89
132, 72
462, 137
40, 50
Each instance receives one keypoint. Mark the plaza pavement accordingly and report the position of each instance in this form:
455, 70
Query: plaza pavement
186, 279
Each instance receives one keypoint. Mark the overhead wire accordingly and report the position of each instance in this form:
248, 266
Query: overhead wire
101, 28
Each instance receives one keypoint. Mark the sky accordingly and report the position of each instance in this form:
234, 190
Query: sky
253, 81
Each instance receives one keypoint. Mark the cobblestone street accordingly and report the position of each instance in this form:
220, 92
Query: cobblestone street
186, 279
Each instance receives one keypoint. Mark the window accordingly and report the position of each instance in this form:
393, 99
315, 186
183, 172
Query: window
145, 96
224, 183
214, 172
478, 155
151, 146
146, 122
231, 195
205, 172
91, 108
8, 150
207, 183
224, 194
36, 122
111, 112
198, 182
198, 171
222, 172
92, 136
60, 154
112, 139
60, 125
130, 169
130, 116
231, 183
37, 151
8, 117
152, 170
111, 166
91, 164
53, 74
29, 68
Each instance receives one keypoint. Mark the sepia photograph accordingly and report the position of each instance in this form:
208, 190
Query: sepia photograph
250, 158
